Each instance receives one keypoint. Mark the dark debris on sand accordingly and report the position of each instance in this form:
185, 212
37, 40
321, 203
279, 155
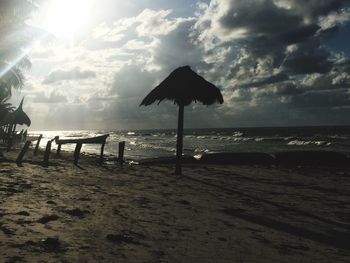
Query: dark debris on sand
77, 212
49, 244
125, 236
47, 218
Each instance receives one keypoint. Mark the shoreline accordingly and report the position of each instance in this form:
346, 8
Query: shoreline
292, 157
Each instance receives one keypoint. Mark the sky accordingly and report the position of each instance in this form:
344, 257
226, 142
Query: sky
277, 62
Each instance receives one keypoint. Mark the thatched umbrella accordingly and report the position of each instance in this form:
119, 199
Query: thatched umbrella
183, 86
17, 116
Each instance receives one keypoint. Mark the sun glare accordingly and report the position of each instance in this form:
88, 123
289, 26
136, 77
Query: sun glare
65, 18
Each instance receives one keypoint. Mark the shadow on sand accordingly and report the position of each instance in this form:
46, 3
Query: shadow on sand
335, 238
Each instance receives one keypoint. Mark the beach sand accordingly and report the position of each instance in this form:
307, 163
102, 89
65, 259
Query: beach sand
144, 213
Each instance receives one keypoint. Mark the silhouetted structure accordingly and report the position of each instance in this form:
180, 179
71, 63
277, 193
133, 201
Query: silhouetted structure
183, 86
11, 120
18, 116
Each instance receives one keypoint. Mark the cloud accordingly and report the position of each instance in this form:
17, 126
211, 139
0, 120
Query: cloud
73, 74
42, 54
268, 80
322, 99
53, 97
270, 61
267, 56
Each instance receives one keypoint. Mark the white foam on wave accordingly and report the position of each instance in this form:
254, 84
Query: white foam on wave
304, 143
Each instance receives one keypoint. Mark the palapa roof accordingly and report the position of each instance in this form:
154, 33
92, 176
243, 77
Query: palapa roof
184, 86
18, 116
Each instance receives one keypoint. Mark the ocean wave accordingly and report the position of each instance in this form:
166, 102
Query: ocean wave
241, 139
237, 134
271, 139
148, 143
156, 147
198, 150
304, 143
339, 137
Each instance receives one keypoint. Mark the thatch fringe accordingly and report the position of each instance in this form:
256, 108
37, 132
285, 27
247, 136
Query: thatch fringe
184, 86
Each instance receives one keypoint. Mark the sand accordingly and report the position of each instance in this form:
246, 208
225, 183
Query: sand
144, 213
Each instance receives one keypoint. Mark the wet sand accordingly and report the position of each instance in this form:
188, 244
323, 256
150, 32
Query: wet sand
144, 213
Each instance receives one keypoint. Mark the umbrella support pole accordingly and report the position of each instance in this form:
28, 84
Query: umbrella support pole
121, 147
179, 140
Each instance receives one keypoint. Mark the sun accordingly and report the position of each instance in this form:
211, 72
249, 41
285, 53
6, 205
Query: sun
65, 18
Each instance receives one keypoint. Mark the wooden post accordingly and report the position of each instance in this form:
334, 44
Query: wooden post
37, 144
102, 150
58, 149
77, 152
9, 143
47, 153
9, 137
121, 147
23, 152
59, 145
179, 140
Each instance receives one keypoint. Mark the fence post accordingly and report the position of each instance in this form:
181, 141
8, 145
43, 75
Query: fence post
47, 153
77, 152
121, 147
102, 150
23, 152
37, 144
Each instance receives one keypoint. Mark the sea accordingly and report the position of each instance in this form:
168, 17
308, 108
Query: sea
144, 144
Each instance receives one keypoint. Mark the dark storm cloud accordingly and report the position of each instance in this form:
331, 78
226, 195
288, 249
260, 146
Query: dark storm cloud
288, 89
268, 27
176, 48
260, 17
315, 8
73, 74
279, 56
268, 80
322, 99
315, 60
